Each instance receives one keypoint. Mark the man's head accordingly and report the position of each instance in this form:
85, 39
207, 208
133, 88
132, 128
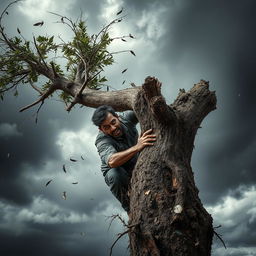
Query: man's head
107, 120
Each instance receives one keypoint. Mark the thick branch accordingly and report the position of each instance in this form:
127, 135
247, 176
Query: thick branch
162, 112
120, 100
195, 104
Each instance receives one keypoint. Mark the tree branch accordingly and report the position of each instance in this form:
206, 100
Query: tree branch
162, 112
119, 236
15, 82
39, 53
220, 238
195, 104
41, 99
36, 88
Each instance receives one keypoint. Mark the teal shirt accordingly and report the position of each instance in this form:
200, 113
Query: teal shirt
108, 145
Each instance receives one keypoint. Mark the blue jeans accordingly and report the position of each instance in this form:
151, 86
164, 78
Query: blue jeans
118, 179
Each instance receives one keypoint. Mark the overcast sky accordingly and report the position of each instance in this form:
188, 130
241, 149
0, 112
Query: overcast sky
179, 42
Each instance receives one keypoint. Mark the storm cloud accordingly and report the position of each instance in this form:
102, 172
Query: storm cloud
180, 42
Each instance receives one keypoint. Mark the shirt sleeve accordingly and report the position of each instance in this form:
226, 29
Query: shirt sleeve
105, 150
131, 117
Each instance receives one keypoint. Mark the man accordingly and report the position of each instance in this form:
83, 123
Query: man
118, 145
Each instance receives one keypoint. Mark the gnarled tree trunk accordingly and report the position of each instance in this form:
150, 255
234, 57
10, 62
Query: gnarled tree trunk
167, 216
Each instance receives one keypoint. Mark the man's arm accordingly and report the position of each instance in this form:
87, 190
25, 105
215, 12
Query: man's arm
120, 158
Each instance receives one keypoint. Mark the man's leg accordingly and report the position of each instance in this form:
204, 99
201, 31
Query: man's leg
118, 180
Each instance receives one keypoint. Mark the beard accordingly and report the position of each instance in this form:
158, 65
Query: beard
117, 132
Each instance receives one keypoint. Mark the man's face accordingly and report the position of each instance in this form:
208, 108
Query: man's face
111, 126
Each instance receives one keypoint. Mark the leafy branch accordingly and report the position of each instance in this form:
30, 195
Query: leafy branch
23, 61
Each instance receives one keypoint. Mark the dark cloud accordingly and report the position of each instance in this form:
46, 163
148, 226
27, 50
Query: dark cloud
213, 40
35, 144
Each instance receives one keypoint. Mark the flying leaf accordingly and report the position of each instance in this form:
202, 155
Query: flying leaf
82, 158
48, 182
132, 52
82, 233
74, 183
18, 30
133, 85
119, 12
124, 70
123, 82
73, 160
64, 168
41, 23
64, 195
131, 36
123, 40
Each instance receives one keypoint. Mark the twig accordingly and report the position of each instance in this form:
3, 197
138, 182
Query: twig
3, 12
54, 70
36, 88
39, 110
113, 217
14, 84
40, 55
119, 236
119, 52
220, 238
42, 98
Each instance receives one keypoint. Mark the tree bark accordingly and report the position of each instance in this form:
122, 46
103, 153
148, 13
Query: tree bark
164, 202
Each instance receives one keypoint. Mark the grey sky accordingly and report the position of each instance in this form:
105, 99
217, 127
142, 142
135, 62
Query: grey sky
180, 42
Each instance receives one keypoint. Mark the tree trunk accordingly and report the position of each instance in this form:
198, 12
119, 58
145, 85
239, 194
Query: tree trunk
167, 216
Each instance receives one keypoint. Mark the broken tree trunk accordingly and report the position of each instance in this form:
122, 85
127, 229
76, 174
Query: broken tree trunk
164, 202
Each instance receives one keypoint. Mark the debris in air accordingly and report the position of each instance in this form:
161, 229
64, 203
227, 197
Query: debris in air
41, 23
64, 195
73, 160
64, 168
124, 70
119, 12
132, 52
48, 182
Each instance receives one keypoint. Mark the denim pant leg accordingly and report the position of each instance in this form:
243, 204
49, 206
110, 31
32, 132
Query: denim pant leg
118, 180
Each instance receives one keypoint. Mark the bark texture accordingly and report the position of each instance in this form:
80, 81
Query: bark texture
164, 202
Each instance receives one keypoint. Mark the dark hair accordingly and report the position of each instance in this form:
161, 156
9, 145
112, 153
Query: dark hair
100, 114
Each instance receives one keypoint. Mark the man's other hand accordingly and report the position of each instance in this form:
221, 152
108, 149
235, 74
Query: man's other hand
146, 139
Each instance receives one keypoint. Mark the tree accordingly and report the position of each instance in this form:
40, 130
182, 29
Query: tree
167, 216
